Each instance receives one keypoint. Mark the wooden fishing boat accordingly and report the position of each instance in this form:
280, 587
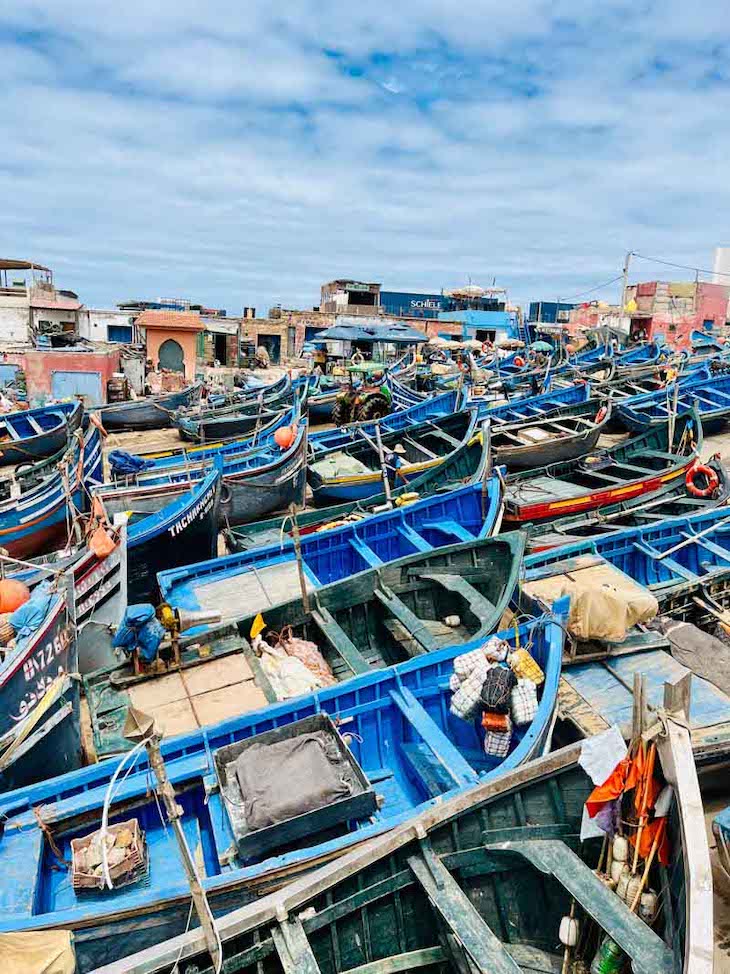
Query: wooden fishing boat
676, 559
401, 742
532, 407
435, 407
168, 525
710, 396
33, 434
647, 353
636, 467
671, 500
355, 471
186, 455
147, 413
552, 439
482, 883
39, 735
267, 575
470, 463
377, 619
37, 509
241, 419
255, 482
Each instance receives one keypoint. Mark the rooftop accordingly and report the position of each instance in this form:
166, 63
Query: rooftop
174, 320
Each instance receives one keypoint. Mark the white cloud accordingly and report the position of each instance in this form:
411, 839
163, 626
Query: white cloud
218, 151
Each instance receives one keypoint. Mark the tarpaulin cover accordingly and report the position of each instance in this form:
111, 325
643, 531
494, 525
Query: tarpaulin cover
37, 952
704, 654
291, 777
122, 462
340, 465
604, 602
29, 617
140, 629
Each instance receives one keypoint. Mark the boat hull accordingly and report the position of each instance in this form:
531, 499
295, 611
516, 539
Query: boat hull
146, 414
43, 444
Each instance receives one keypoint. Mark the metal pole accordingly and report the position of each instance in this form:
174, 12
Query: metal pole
174, 814
624, 285
383, 466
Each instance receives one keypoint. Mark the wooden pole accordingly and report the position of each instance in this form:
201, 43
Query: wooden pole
649, 861
298, 556
175, 813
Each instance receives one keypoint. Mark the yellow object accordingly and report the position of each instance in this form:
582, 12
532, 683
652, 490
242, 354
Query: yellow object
525, 668
38, 952
257, 626
631, 306
407, 498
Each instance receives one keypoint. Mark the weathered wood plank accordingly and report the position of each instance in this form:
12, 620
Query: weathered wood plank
293, 948
409, 961
448, 899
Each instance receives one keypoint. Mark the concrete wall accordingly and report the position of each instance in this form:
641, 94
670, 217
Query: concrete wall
186, 339
39, 366
14, 318
94, 323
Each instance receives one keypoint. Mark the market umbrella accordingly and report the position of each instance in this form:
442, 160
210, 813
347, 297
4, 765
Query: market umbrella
472, 343
511, 343
542, 347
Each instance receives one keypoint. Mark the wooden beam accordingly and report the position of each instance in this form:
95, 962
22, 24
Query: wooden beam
479, 941
409, 961
293, 948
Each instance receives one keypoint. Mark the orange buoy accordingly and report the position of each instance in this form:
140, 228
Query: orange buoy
284, 437
519, 361
13, 594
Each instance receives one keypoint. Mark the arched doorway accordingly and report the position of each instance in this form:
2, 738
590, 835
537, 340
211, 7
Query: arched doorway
171, 356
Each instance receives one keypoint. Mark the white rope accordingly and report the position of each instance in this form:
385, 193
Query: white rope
107, 802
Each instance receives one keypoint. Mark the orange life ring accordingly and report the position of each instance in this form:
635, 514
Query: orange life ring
713, 481
519, 361
600, 415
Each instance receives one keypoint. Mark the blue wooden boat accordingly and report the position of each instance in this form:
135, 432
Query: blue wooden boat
241, 419
480, 883
255, 482
644, 354
353, 472
148, 413
435, 407
266, 575
710, 395
465, 465
33, 434
407, 747
552, 439
187, 455
675, 559
533, 407
39, 704
35, 517
168, 525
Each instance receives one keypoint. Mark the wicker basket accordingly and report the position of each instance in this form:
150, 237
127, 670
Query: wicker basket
130, 869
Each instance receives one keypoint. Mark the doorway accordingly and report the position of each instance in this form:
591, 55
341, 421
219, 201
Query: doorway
171, 357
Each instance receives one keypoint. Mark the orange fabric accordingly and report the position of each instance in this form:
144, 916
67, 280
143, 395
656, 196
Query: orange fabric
102, 543
650, 832
611, 788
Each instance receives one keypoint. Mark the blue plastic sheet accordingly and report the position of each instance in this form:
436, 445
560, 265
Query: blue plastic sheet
29, 617
140, 629
124, 463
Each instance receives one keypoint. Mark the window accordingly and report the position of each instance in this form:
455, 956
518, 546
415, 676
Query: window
119, 333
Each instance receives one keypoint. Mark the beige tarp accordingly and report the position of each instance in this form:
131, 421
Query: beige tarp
682, 289
604, 602
37, 952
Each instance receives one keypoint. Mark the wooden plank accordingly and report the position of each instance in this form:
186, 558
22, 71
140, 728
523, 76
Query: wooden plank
431, 734
293, 948
649, 954
409, 961
409, 620
340, 641
485, 950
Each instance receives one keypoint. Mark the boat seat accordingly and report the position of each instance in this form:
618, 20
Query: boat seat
482, 608
294, 950
409, 620
367, 554
670, 563
448, 526
420, 448
606, 477
644, 471
715, 549
427, 769
35, 424
443, 435
661, 455
471, 933
413, 537
340, 641
648, 952
14, 434
447, 754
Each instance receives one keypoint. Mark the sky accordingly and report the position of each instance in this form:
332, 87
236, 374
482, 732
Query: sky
243, 154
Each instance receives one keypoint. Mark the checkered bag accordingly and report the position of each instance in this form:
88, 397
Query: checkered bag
467, 698
497, 743
523, 702
465, 664
525, 667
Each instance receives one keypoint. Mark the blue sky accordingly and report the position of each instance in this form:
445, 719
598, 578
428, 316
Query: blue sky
243, 154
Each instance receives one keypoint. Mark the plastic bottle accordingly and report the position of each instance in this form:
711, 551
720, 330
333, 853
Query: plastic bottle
609, 959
